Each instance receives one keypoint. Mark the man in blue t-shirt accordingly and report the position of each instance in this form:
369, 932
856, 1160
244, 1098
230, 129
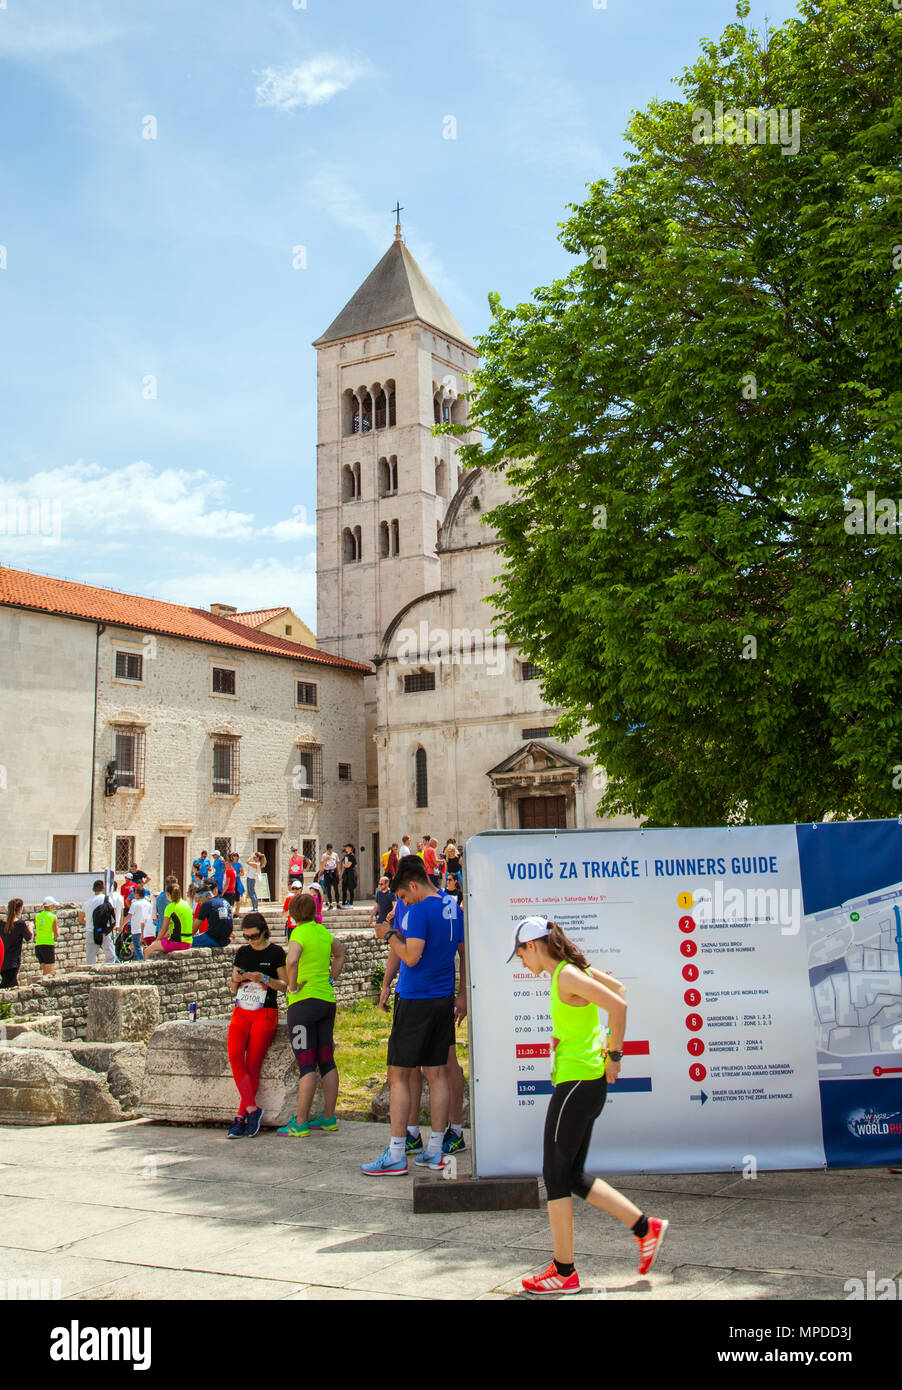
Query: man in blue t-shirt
213, 919
219, 870
423, 1022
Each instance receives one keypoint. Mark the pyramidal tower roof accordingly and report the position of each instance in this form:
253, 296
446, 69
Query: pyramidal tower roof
395, 292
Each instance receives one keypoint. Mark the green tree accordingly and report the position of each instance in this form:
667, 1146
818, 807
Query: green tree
686, 414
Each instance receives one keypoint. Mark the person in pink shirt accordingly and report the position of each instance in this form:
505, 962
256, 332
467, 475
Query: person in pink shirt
430, 861
317, 894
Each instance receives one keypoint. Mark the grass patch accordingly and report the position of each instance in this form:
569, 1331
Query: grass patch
361, 1039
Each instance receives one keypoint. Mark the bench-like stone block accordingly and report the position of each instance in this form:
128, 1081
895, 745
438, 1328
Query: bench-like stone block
188, 1078
46, 1086
122, 1013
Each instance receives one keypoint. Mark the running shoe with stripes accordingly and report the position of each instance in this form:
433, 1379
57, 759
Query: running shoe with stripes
385, 1166
254, 1121
549, 1281
413, 1144
452, 1143
320, 1122
295, 1129
650, 1244
434, 1161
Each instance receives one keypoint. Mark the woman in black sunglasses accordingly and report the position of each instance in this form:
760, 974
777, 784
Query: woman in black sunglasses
258, 977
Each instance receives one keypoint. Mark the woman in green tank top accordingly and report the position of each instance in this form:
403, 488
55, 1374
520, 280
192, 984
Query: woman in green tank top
583, 1065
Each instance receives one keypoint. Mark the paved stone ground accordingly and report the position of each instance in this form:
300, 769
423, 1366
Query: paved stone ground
145, 1210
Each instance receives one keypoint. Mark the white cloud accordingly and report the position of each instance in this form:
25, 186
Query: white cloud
310, 84
94, 502
262, 583
293, 528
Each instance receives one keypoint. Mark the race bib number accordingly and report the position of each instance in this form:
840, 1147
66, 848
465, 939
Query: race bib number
251, 996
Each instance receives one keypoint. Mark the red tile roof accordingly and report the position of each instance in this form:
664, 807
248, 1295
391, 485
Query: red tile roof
65, 598
258, 616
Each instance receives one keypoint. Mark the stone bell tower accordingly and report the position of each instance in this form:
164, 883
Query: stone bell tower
392, 364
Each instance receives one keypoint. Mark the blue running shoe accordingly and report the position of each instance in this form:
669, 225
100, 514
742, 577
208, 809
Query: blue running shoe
432, 1161
385, 1167
254, 1121
238, 1128
452, 1143
413, 1145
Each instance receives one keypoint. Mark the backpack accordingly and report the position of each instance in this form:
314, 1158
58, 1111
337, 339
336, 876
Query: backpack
104, 919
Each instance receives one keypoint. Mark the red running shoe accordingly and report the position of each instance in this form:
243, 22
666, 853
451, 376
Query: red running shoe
549, 1281
650, 1244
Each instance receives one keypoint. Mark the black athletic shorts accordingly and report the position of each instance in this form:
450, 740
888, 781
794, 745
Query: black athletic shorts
46, 955
311, 1029
422, 1032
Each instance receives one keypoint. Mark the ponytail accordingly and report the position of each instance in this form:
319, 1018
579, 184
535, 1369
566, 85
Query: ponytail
14, 907
560, 947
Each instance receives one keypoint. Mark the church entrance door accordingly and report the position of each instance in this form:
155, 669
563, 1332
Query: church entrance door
543, 812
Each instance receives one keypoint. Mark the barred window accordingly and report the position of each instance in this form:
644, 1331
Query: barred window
307, 693
129, 757
423, 680
308, 772
224, 844
129, 666
344, 772
125, 853
422, 781
529, 671
223, 681
537, 733
225, 766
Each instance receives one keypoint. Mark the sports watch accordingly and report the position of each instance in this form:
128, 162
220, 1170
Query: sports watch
615, 1056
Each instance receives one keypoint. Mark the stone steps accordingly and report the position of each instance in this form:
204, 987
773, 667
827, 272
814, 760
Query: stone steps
339, 919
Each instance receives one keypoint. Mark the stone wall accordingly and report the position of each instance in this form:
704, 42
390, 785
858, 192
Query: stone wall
184, 977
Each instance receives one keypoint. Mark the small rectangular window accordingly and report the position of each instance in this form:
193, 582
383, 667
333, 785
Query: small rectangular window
223, 681
307, 693
129, 666
130, 758
344, 772
536, 733
125, 853
529, 671
225, 767
423, 680
308, 773
288, 629
224, 844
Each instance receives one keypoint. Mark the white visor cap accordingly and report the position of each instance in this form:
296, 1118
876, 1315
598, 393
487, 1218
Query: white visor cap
529, 929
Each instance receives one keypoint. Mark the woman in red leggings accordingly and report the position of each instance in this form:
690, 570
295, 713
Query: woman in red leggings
259, 975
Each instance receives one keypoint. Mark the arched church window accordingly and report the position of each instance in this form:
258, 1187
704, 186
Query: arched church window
366, 413
384, 540
437, 410
394, 472
385, 481
348, 484
395, 538
390, 390
348, 546
381, 410
358, 544
421, 778
350, 414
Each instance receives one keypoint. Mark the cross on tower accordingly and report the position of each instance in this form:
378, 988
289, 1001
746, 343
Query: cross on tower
397, 211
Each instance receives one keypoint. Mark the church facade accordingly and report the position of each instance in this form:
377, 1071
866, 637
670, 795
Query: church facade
458, 736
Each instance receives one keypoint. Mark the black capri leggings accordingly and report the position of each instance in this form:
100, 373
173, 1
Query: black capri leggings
573, 1110
311, 1024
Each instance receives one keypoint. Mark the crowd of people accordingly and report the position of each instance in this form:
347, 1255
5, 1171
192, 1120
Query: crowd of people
418, 913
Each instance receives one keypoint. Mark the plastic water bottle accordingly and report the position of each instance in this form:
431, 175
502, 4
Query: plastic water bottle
192, 1013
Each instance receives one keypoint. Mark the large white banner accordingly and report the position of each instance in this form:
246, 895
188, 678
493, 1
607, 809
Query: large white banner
705, 929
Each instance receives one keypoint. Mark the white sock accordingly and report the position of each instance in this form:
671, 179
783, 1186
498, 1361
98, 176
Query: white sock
397, 1147
435, 1141
458, 1130
413, 1131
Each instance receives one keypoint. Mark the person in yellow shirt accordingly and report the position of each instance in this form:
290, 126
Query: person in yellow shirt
46, 935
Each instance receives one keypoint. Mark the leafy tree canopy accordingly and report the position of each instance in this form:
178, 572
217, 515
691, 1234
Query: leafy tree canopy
685, 418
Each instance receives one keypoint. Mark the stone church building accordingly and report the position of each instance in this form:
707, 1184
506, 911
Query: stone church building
458, 736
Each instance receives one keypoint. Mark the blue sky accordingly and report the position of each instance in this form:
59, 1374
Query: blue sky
157, 378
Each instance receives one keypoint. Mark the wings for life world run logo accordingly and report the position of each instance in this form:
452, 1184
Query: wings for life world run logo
863, 1124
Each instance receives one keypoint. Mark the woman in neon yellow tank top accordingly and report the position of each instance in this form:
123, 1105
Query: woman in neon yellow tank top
583, 1065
